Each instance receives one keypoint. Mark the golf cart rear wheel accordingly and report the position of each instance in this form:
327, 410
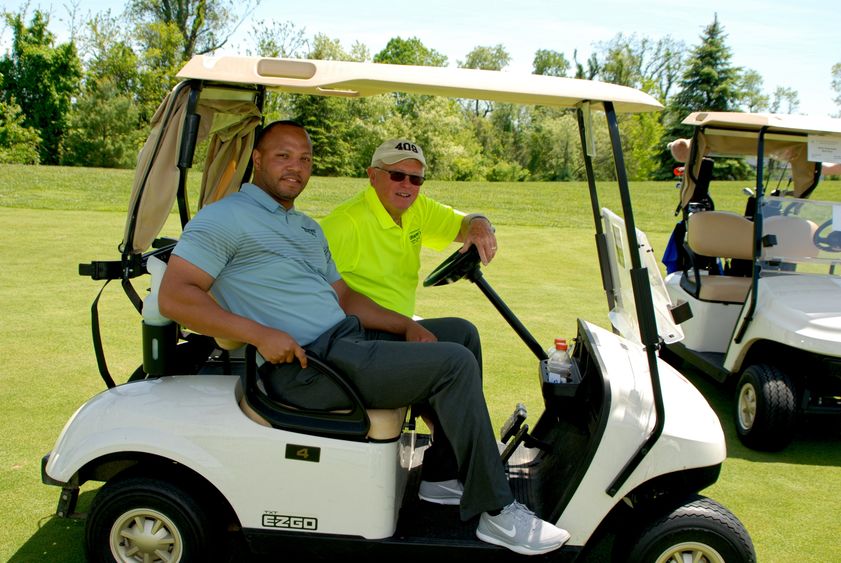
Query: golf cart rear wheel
700, 530
765, 408
148, 520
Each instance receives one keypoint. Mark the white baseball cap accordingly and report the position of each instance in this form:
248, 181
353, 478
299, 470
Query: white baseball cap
395, 150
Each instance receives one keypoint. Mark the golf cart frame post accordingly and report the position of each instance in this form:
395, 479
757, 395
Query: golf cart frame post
639, 274
757, 235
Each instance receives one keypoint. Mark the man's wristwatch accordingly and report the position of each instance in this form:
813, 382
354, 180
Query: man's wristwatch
474, 217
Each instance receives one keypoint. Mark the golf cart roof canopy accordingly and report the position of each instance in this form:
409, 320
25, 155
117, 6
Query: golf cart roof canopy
753, 122
736, 134
219, 101
350, 79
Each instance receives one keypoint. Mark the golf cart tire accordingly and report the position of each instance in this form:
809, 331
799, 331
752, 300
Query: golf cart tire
172, 521
765, 408
698, 530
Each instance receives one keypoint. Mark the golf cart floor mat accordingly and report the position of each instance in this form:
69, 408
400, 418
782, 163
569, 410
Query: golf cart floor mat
421, 519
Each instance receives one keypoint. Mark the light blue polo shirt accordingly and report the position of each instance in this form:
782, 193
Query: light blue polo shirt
269, 264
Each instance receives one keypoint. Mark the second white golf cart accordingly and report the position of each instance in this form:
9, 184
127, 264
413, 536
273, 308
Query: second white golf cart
194, 456
762, 281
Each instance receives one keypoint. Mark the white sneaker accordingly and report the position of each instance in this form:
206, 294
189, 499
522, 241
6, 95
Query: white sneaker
441, 492
518, 529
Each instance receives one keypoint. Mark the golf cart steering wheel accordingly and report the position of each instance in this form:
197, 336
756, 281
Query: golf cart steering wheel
457, 266
830, 242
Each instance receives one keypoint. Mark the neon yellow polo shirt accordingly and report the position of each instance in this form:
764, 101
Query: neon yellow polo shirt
380, 259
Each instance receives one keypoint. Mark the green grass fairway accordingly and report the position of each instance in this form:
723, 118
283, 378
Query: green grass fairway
52, 219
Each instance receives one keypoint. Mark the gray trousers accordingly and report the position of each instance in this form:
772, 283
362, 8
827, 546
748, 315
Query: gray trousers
439, 459
393, 373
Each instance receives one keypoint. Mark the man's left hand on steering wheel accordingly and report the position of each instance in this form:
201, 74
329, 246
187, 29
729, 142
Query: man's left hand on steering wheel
480, 233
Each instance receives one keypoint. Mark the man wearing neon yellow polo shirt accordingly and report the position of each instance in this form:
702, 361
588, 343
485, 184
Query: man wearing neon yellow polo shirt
376, 236
375, 239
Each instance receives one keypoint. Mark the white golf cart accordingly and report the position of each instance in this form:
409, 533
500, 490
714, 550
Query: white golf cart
195, 457
761, 281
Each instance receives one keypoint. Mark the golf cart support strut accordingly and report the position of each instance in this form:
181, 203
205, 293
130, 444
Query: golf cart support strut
757, 236
601, 242
642, 296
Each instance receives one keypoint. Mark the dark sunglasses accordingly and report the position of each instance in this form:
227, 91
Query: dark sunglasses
397, 176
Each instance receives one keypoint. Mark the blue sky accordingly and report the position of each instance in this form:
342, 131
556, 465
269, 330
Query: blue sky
790, 43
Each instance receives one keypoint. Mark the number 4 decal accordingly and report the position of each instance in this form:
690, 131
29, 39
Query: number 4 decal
303, 453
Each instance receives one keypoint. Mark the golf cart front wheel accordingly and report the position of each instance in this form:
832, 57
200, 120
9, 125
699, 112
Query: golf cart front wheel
765, 408
147, 520
700, 530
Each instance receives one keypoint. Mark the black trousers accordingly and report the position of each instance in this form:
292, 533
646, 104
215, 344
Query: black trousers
392, 373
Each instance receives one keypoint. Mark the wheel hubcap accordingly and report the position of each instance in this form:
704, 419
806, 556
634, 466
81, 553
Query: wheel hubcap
747, 406
145, 535
690, 552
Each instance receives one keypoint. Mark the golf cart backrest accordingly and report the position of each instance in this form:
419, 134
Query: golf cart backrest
717, 235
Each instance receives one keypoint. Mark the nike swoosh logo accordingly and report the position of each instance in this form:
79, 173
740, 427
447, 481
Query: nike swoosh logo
510, 533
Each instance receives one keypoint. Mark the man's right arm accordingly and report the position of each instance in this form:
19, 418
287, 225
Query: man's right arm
184, 298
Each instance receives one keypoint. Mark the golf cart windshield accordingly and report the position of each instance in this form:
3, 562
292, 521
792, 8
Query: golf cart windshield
805, 233
623, 314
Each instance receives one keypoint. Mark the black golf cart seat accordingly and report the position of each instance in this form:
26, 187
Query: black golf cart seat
379, 425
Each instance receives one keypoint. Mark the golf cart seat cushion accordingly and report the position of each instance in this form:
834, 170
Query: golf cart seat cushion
228, 345
721, 234
726, 289
386, 424
795, 237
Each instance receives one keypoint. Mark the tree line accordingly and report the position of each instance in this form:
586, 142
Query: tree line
88, 101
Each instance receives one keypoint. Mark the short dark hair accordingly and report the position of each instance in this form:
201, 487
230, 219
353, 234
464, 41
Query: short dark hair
279, 123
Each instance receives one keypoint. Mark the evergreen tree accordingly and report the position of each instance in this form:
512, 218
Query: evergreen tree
709, 83
107, 124
103, 130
